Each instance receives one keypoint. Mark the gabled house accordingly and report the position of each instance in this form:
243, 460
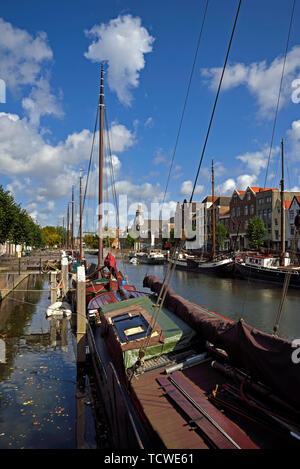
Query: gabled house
292, 233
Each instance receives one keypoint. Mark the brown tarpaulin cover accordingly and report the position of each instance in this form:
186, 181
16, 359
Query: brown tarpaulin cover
265, 357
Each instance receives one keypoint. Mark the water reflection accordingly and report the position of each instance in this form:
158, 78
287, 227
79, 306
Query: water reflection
256, 303
38, 379
58, 336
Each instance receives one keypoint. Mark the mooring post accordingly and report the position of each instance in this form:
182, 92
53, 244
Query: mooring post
53, 288
64, 275
81, 314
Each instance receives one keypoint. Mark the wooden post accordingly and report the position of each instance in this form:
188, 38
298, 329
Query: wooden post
53, 288
64, 275
81, 314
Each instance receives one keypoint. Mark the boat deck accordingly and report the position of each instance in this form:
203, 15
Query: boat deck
172, 422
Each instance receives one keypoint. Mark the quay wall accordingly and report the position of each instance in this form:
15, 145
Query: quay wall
9, 281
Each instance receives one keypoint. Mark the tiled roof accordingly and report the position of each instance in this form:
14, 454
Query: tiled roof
224, 213
287, 204
262, 189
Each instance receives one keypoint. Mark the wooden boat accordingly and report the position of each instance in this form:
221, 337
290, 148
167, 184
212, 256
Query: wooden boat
258, 267
174, 375
154, 257
215, 264
198, 380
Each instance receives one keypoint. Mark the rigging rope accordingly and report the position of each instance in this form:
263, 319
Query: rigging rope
186, 99
279, 93
184, 107
216, 100
177, 249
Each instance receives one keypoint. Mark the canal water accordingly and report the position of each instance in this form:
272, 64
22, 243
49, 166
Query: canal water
256, 303
40, 406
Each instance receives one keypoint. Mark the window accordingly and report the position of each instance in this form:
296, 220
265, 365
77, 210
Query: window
292, 230
276, 221
246, 209
291, 214
233, 212
235, 198
248, 196
276, 234
238, 211
264, 213
269, 213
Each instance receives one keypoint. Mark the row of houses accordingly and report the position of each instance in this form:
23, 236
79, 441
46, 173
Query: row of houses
234, 212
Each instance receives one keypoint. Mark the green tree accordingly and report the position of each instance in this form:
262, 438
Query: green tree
91, 241
255, 232
221, 234
51, 236
130, 241
8, 214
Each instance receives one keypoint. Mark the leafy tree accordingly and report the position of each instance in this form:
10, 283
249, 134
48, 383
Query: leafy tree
255, 232
129, 241
91, 241
8, 214
51, 236
221, 234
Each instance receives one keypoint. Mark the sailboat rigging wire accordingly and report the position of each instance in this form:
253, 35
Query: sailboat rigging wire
216, 100
113, 185
279, 93
91, 157
177, 249
283, 297
186, 99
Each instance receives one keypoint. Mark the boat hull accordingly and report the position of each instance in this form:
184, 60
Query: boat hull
152, 261
264, 274
222, 267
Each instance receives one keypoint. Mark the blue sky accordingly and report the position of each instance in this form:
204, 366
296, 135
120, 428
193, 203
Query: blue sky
49, 59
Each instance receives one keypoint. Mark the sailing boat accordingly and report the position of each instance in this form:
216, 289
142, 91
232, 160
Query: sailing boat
272, 269
109, 279
175, 375
217, 264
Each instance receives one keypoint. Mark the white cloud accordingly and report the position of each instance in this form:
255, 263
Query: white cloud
23, 59
41, 102
261, 79
123, 42
241, 183
120, 138
294, 140
187, 187
256, 161
149, 122
22, 55
24, 151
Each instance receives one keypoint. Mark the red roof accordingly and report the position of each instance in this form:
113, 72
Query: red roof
261, 189
224, 213
287, 204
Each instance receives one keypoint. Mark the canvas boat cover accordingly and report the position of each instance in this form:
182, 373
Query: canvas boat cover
177, 333
266, 358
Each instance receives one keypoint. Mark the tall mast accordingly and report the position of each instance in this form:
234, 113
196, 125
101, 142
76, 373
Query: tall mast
213, 210
72, 223
68, 227
282, 207
100, 198
63, 239
80, 218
